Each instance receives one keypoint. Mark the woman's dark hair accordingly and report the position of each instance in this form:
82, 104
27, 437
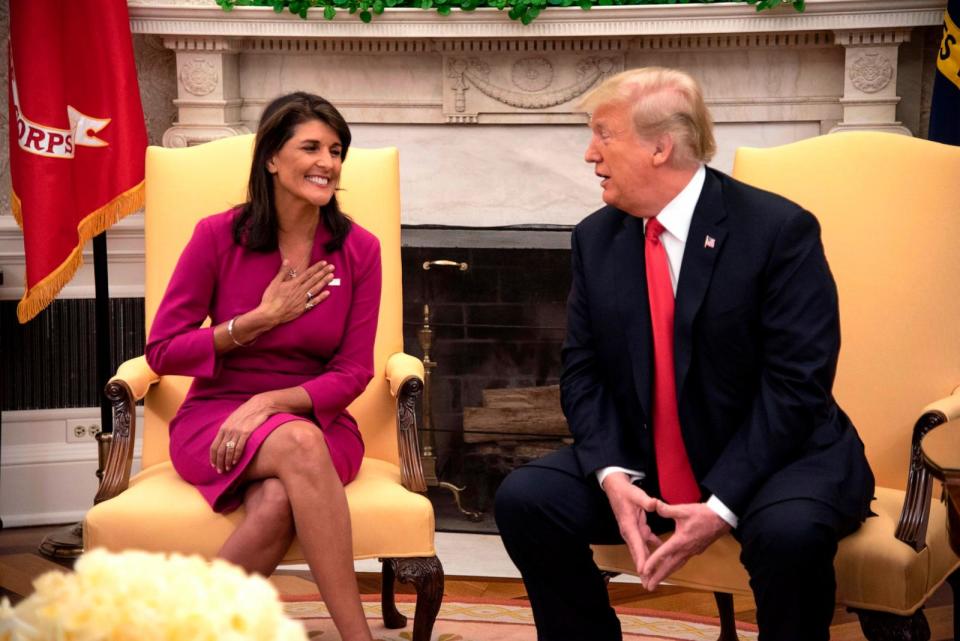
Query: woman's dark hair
256, 226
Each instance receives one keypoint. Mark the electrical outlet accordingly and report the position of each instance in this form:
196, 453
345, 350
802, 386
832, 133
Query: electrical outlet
82, 430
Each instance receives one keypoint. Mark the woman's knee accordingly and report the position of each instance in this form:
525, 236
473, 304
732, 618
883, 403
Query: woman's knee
301, 443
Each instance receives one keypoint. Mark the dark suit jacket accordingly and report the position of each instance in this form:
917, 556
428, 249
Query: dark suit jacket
756, 339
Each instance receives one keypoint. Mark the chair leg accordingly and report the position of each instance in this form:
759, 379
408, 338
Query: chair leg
883, 626
728, 624
426, 575
392, 618
954, 580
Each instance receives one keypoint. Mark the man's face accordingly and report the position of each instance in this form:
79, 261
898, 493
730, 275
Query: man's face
622, 160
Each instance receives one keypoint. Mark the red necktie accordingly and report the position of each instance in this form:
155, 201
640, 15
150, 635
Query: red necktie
677, 483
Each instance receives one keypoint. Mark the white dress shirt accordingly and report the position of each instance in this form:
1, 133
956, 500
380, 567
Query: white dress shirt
675, 218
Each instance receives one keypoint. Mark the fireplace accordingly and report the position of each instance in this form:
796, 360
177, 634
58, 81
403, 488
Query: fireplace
497, 331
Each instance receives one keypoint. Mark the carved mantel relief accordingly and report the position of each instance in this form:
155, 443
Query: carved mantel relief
871, 72
531, 85
199, 77
870, 88
208, 90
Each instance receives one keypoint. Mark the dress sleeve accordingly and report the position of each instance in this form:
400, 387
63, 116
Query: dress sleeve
177, 343
346, 375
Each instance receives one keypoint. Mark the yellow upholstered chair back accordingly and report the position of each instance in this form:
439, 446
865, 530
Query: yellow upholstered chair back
185, 185
890, 216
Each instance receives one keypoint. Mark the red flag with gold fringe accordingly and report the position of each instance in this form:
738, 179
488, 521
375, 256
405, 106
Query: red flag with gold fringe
77, 134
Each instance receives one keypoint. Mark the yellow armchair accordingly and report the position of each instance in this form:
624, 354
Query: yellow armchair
156, 510
888, 209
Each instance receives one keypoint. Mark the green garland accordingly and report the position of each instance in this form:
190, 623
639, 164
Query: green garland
523, 10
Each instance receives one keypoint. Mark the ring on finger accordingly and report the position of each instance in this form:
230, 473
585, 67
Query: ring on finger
309, 306
230, 445
309, 294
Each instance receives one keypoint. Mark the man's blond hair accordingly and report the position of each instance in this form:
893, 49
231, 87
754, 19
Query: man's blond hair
663, 101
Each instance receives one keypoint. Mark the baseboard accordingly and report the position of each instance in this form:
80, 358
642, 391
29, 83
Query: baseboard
43, 518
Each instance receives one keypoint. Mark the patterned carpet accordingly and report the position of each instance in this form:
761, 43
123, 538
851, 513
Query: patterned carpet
465, 619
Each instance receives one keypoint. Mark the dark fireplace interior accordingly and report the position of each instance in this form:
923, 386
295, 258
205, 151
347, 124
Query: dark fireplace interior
496, 326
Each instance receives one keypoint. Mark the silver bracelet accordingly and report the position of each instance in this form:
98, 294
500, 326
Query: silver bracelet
234, 338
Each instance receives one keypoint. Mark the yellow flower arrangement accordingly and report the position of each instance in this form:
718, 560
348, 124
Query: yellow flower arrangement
140, 596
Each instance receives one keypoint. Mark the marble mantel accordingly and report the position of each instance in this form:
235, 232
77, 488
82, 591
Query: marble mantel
412, 66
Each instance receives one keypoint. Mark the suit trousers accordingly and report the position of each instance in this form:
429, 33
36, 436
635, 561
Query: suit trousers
549, 513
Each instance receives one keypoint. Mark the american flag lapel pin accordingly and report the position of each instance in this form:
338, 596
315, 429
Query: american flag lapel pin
710, 242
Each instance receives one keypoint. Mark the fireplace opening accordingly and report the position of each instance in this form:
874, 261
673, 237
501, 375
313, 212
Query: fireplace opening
492, 328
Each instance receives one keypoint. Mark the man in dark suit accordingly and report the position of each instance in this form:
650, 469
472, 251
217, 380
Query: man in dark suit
702, 342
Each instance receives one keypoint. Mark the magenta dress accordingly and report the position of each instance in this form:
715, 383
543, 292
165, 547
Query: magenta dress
328, 350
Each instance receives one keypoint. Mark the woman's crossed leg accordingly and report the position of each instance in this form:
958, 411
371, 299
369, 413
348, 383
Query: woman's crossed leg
294, 488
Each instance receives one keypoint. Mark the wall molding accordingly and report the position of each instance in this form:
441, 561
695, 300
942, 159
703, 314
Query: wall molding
187, 18
20, 449
32, 519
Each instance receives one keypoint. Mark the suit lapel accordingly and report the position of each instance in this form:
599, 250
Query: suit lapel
633, 304
704, 243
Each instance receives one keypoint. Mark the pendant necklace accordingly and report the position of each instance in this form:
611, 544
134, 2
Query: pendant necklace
300, 265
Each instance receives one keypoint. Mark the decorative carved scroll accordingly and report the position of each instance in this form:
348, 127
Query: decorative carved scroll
532, 76
411, 469
116, 474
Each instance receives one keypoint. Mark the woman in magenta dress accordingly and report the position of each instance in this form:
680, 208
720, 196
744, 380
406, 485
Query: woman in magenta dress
292, 288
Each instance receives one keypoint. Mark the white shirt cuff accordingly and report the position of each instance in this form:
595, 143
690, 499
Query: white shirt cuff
604, 472
722, 510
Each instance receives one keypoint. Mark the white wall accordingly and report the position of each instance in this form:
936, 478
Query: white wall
47, 474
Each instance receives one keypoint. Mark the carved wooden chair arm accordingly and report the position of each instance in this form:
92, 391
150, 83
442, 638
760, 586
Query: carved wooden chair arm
405, 375
912, 527
130, 384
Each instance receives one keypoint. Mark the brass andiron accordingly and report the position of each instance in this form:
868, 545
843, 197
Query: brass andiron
428, 457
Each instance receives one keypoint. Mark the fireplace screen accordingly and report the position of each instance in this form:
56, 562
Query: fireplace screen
491, 322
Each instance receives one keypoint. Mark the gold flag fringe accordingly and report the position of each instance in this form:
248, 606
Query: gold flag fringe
15, 206
36, 298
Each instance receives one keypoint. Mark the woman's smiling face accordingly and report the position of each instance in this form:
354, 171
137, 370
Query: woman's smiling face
307, 168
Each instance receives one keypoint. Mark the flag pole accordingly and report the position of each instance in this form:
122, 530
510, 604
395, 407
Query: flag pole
103, 329
67, 542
